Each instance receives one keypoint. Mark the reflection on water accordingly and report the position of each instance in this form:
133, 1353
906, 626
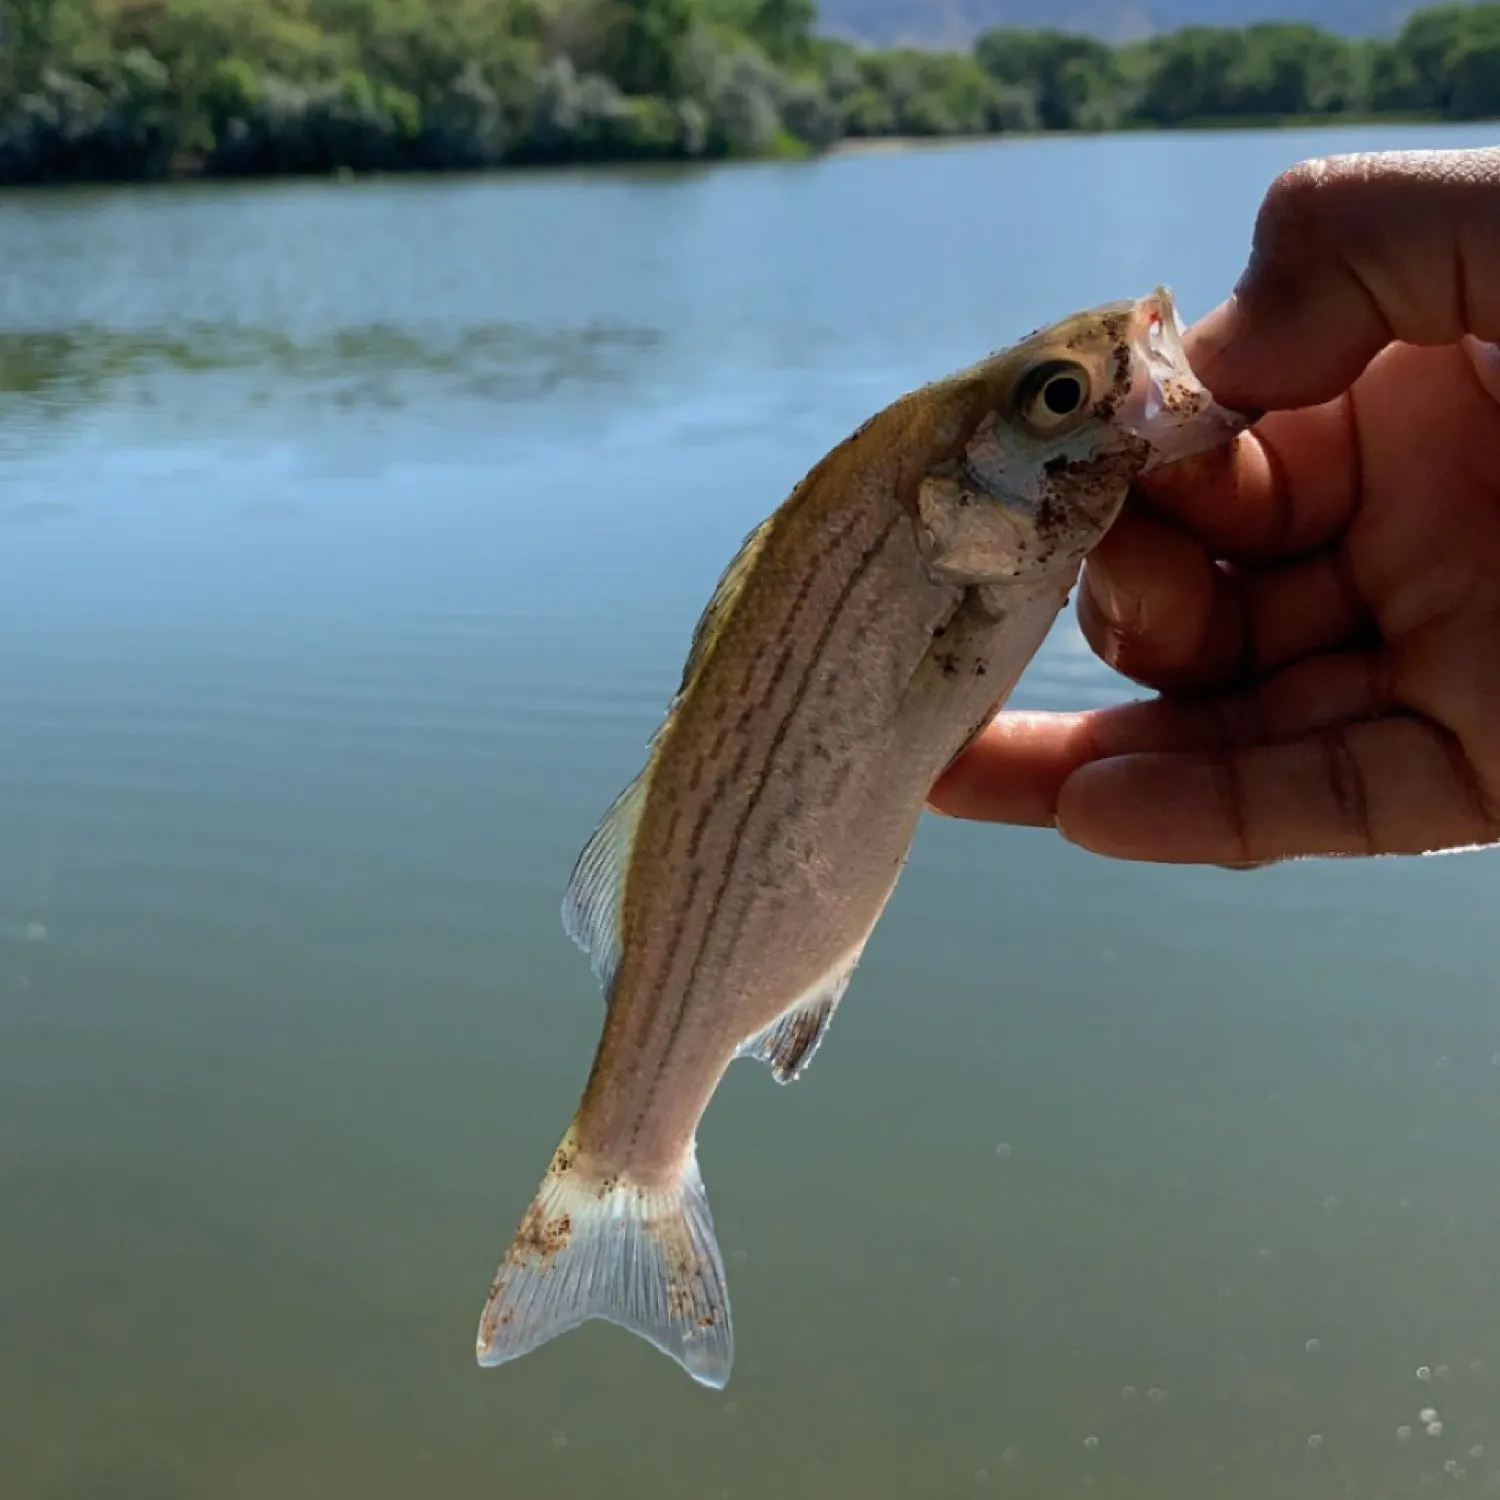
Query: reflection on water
63, 369
358, 537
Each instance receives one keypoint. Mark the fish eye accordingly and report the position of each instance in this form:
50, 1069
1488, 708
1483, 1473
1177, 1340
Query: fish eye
1052, 395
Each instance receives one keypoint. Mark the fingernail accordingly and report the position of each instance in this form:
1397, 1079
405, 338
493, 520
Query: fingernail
1212, 331
1208, 341
1485, 357
1120, 608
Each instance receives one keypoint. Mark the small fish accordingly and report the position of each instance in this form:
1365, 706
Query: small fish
863, 635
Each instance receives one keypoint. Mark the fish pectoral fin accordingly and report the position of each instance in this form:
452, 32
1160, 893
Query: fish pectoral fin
596, 888
643, 1258
786, 1046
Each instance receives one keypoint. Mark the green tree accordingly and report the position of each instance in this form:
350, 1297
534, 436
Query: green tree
39, 34
1425, 47
1194, 74
643, 44
1473, 67
784, 29
1070, 76
1291, 69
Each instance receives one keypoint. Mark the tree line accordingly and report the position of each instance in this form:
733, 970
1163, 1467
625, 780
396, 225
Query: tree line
146, 89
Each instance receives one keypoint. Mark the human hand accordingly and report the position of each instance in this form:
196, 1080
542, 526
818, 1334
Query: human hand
1318, 606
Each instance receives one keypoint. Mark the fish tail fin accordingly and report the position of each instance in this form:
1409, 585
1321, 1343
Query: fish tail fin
595, 1245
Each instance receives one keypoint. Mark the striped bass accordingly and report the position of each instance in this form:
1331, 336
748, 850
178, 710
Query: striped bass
863, 635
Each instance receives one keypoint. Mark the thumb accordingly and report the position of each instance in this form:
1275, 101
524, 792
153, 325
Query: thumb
1349, 254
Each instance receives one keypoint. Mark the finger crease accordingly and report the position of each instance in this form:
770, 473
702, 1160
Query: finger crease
1461, 284
1347, 783
1227, 606
1283, 517
1356, 444
1232, 796
1344, 577
1478, 798
1380, 683
1247, 664
1377, 308
1239, 720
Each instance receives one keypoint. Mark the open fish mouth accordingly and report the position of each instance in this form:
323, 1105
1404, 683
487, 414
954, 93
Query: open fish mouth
1167, 404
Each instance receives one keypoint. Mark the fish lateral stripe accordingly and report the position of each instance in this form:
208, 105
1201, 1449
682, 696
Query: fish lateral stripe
757, 789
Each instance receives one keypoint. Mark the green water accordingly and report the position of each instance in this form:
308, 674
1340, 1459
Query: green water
350, 541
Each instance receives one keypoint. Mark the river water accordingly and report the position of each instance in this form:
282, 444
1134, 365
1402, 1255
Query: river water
351, 536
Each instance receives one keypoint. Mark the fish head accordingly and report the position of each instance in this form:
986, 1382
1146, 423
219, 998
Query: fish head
1067, 420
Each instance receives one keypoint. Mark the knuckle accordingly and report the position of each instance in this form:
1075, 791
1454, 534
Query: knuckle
1298, 197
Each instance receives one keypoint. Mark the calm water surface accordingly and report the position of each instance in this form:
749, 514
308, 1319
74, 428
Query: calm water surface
350, 541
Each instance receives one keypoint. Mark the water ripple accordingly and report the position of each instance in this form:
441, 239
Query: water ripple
56, 370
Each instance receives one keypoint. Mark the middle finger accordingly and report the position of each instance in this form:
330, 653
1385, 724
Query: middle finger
1160, 610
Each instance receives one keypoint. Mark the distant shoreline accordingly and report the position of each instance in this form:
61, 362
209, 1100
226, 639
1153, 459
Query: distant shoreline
183, 90
874, 145
849, 146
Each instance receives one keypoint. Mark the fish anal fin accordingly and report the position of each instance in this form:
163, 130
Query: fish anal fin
596, 888
593, 1246
787, 1045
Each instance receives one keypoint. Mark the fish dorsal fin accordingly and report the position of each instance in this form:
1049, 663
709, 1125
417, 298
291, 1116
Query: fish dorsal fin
591, 906
596, 888
729, 587
786, 1046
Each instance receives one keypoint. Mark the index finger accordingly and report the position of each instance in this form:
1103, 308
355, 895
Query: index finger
1287, 486
1349, 254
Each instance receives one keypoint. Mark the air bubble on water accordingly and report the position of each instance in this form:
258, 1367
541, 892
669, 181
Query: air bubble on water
1156, 1394
1009, 1457
1403, 1433
731, 1407
740, 1257
981, 1476
1330, 1203
1477, 1451
1450, 1465
1427, 1414
1003, 1150
34, 932
1313, 1345
1315, 1440
1444, 1063
953, 1283
559, 1439
1128, 1393
1434, 1429
1442, 1372
1423, 1373
1091, 1443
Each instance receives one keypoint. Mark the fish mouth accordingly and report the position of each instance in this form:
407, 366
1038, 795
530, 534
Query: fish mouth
1167, 405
